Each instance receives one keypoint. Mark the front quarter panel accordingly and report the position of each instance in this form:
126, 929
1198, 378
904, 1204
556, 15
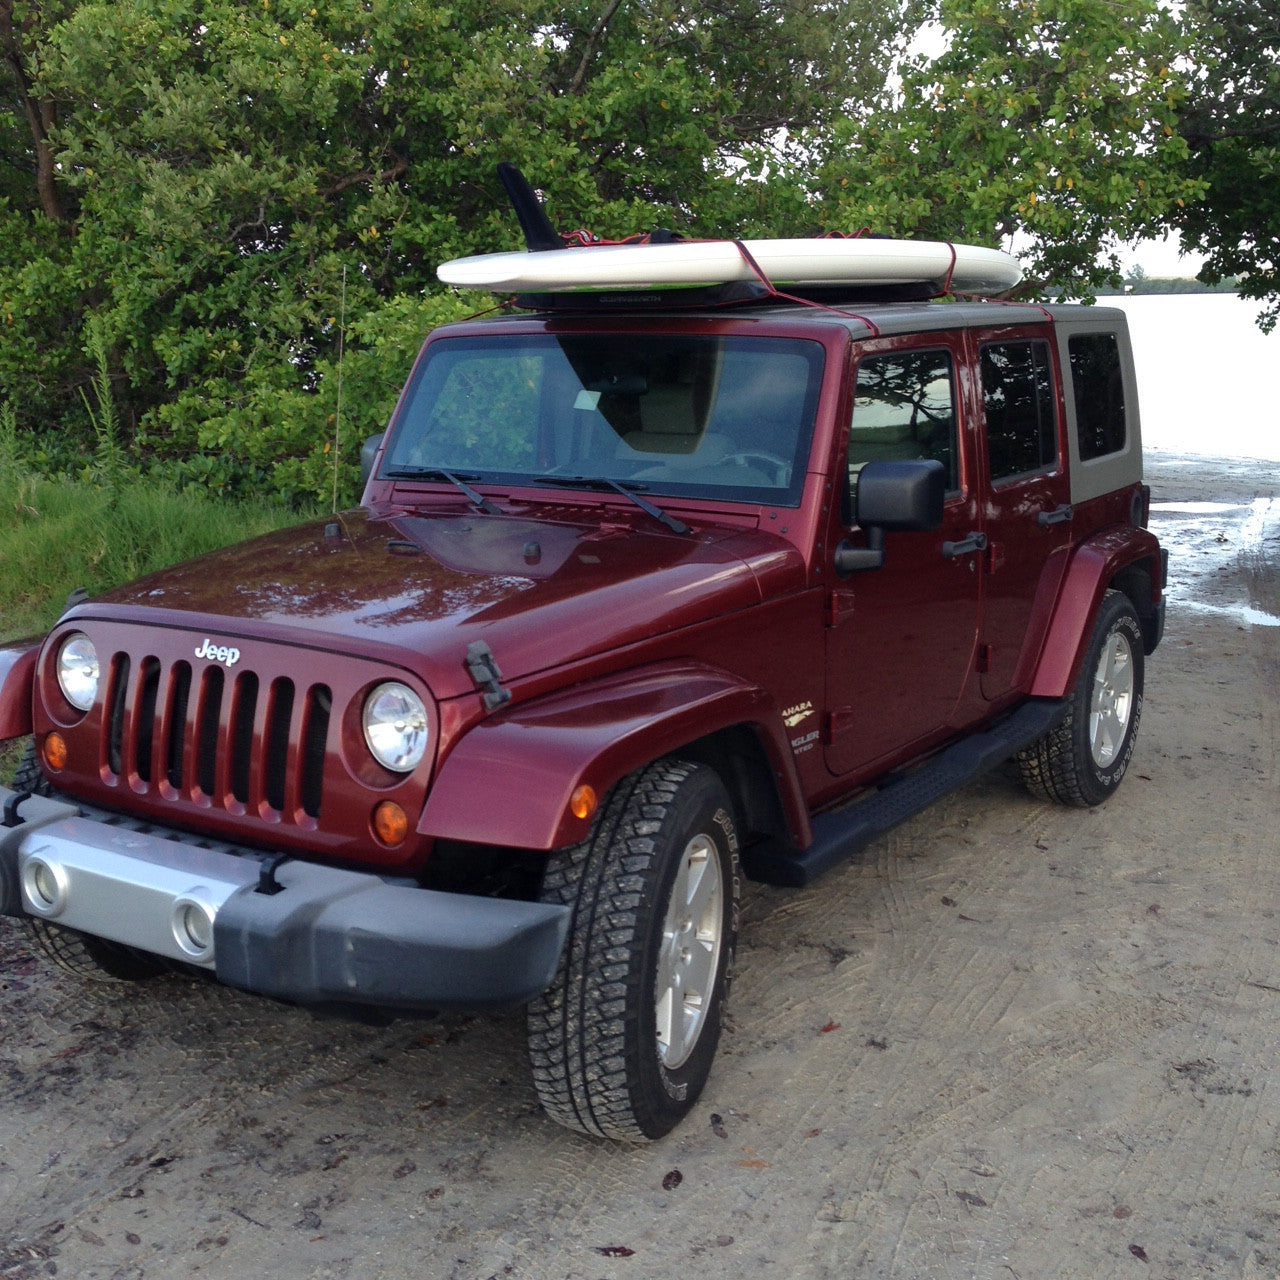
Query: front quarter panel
510, 780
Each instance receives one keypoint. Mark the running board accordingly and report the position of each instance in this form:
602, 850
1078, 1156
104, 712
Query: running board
840, 833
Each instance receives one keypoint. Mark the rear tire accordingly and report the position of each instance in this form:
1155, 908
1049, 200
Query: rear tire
1083, 760
622, 1042
87, 957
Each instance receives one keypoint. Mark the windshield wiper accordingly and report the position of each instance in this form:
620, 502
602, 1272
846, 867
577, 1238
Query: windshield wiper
457, 479
627, 491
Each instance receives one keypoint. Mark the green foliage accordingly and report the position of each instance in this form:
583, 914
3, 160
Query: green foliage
214, 214
110, 463
1046, 125
230, 174
1231, 121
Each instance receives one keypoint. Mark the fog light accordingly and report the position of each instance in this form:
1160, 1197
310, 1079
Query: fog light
390, 823
192, 924
45, 886
55, 751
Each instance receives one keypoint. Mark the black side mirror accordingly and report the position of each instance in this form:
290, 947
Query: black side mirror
368, 456
899, 495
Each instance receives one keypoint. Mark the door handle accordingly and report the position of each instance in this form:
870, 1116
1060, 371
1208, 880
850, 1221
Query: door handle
1059, 515
966, 546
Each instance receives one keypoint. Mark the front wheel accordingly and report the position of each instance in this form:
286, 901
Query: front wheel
1082, 761
622, 1042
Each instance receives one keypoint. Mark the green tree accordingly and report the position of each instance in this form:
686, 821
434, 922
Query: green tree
1045, 125
251, 185
1231, 121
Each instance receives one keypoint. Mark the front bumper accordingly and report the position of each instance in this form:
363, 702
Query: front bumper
325, 936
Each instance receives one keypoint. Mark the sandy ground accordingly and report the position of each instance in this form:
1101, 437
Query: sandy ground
1012, 1041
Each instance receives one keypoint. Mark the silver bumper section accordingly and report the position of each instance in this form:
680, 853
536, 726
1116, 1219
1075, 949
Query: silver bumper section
325, 936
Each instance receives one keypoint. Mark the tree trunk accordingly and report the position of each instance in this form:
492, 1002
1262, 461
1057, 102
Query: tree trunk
41, 116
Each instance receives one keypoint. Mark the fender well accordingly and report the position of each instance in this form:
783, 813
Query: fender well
17, 674
510, 779
1122, 558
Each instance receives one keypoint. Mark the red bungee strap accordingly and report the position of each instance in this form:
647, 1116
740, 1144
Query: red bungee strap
775, 292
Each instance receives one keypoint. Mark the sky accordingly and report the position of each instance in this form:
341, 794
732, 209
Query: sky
1161, 258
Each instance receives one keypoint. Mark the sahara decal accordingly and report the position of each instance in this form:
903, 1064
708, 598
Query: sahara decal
792, 716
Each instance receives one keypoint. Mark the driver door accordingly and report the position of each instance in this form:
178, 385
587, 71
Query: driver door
902, 639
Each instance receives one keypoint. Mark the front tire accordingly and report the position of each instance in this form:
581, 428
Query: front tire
622, 1042
1083, 760
97, 959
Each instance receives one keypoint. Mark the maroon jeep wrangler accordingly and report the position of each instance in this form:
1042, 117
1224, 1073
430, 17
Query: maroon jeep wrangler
639, 601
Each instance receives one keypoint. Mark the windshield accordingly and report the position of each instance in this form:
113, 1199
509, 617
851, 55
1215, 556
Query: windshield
722, 417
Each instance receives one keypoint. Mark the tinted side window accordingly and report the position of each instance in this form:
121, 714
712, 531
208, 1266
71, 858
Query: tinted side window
1098, 388
1018, 400
904, 407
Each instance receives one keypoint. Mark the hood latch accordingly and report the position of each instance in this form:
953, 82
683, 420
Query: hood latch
486, 673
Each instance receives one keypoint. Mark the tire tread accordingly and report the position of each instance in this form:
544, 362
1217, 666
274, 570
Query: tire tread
1056, 766
579, 1058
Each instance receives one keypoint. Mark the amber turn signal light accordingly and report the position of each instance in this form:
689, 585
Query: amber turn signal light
55, 751
390, 823
582, 804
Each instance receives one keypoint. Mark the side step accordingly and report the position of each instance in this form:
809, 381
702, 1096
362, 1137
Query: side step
840, 833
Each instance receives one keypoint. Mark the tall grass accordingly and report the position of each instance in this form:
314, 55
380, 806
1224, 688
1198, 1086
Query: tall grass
100, 529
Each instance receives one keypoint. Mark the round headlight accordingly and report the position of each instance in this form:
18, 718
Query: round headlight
78, 671
395, 726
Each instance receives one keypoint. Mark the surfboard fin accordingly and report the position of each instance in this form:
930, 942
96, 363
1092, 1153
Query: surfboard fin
538, 232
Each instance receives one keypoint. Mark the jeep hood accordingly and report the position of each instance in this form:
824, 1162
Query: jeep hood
416, 590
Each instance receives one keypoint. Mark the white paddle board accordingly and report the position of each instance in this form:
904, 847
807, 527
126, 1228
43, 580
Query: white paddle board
796, 263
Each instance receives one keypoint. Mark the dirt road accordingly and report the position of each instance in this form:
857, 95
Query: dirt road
1013, 1041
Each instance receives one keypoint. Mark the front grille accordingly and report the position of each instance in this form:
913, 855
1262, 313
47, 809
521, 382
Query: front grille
233, 740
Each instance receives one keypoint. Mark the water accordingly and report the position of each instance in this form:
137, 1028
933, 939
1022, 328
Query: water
1222, 553
1207, 382
1207, 375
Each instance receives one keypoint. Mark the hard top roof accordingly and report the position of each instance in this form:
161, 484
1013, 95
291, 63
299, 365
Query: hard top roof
862, 319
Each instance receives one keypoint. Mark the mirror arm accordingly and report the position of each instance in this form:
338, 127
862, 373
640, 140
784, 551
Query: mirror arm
850, 559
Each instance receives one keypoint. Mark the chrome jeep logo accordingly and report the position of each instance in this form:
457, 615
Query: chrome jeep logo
218, 652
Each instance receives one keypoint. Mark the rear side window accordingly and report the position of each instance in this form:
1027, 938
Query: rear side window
1018, 402
1098, 388
904, 407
